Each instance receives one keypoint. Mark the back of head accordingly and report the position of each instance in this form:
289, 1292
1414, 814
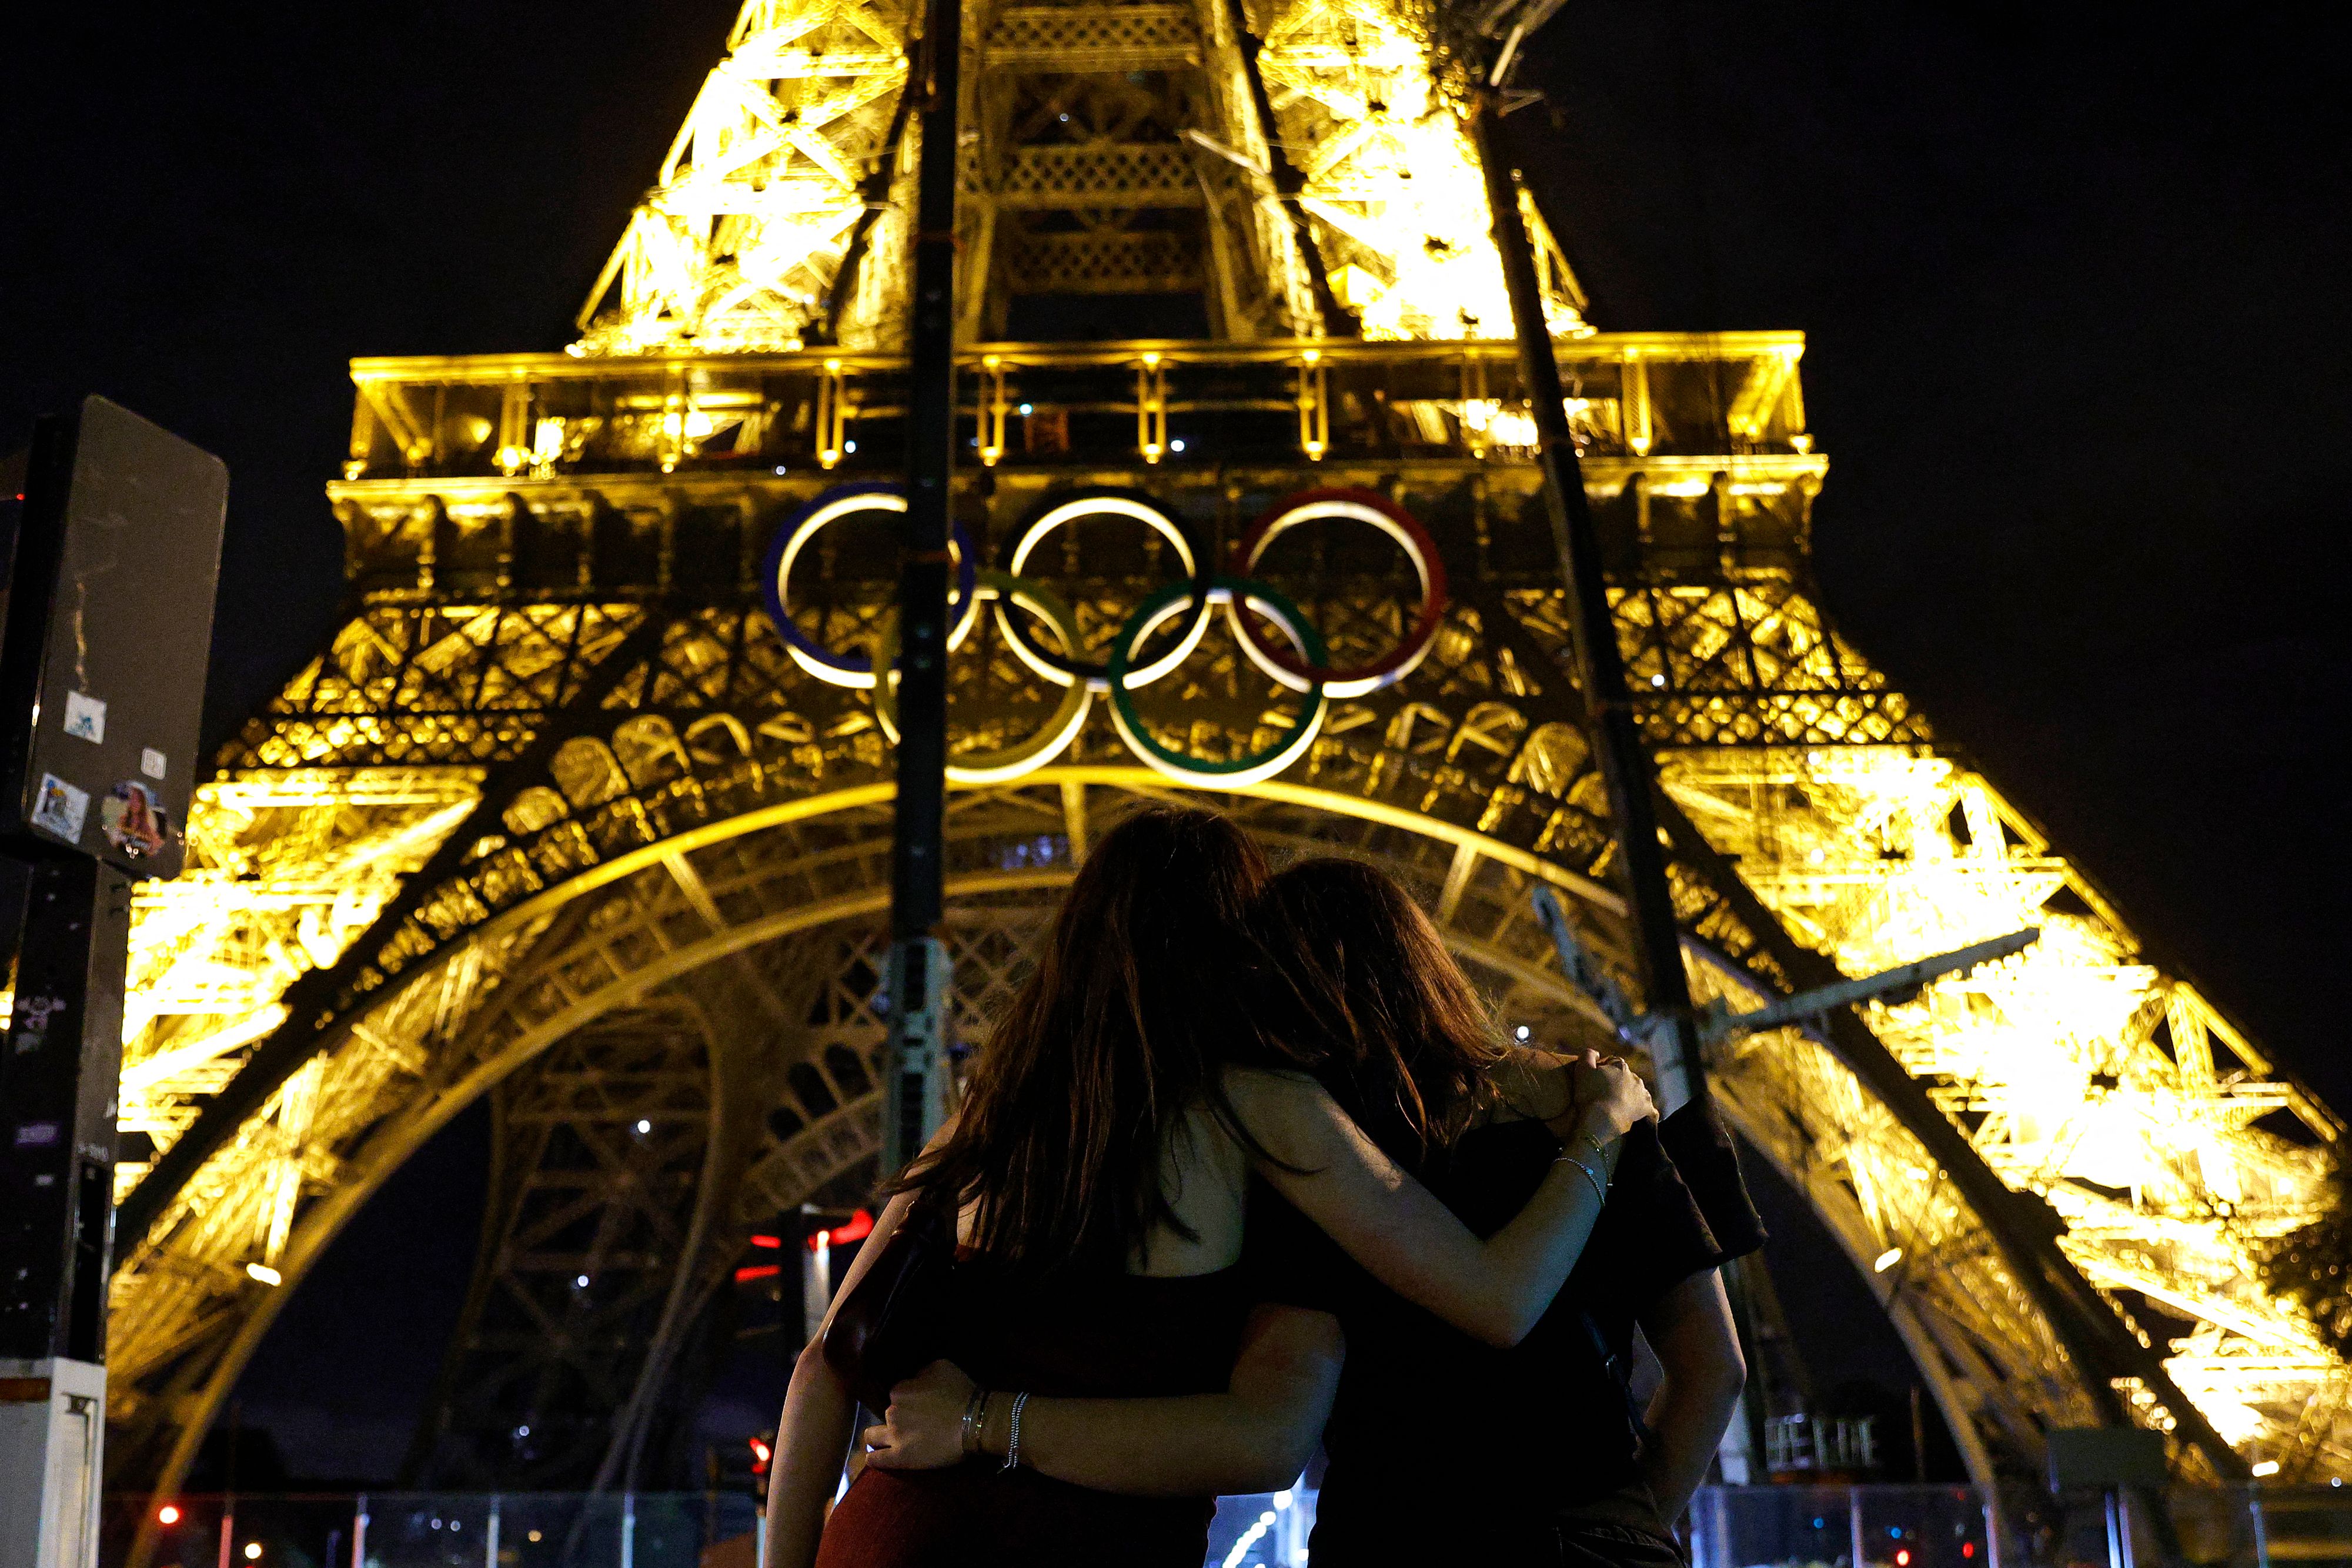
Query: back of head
1137, 1000
1405, 1042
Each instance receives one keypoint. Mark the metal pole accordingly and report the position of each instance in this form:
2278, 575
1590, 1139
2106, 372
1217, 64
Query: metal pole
359, 1532
628, 1529
1626, 766
1852, 1522
2261, 1527
916, 1102
490, 1547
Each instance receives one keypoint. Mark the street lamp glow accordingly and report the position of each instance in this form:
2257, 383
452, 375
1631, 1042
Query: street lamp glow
1887, 1259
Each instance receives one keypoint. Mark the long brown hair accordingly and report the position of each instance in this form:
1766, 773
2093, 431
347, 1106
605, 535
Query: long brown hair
1138, 996
1402, 1040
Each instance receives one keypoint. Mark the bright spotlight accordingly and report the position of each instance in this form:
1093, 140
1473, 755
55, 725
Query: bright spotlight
1887, 1259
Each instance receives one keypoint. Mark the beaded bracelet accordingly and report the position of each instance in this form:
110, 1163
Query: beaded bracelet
1013, 1446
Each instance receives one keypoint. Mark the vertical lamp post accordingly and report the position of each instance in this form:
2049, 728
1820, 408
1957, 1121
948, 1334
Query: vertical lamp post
915, 1090
1626, 766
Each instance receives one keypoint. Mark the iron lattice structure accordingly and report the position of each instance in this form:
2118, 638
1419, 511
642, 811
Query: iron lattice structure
556, 818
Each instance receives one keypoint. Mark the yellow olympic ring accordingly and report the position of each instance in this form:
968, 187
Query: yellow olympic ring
1052, 737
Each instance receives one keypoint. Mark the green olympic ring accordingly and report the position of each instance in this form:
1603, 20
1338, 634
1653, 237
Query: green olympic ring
1242, 772
1052, 737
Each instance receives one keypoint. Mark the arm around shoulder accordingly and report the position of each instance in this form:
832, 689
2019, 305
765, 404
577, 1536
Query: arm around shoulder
1495, 1289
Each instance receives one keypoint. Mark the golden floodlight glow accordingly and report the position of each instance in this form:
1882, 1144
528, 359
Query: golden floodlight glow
676, 827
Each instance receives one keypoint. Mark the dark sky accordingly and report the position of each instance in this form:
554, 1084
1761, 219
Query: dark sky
2076, 290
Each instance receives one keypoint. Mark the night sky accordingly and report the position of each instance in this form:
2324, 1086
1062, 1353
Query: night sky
2074, 288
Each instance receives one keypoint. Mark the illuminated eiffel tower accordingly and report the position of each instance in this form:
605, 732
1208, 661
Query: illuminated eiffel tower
562, 819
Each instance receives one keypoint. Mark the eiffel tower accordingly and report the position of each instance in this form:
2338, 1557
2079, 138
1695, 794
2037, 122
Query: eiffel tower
562, 818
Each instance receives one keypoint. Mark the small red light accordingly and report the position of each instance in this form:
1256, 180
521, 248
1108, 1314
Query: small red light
1967, 1549
859, 1225
757, 1271
767, 1242
761, 1455
168, 1514
1903, 1557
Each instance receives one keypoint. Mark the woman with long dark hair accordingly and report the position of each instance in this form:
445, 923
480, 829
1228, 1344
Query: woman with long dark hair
1097, 1165
1443, 1447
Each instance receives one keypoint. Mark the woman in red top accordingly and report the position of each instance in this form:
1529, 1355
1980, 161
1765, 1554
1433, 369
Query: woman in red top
1100, 1161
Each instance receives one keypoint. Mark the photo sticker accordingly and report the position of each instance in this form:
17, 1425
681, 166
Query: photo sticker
152, 763
86, 718
134, 821
61, 808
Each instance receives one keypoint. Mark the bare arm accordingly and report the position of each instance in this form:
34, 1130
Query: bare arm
1255, 1437
1690, 1329
1493, 1289
812, 1434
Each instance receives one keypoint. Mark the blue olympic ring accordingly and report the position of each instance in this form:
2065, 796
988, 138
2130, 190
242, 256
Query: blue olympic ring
856, 671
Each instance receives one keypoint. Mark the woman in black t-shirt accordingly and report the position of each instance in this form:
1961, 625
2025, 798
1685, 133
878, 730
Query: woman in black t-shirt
1441, 1449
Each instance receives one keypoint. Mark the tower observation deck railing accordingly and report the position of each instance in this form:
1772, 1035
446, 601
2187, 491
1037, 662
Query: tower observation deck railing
1651, 399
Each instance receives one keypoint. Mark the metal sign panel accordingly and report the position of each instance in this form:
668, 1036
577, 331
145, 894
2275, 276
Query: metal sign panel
110, 609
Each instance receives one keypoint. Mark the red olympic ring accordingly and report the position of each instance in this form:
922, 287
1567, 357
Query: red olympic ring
1364, 505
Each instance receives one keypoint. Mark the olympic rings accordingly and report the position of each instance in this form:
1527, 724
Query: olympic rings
1182, 766
1052, 737
1362, 505
1121, 504
1302, 669
856, 671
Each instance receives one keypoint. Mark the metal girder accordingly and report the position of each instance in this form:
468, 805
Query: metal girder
1091, 38
1130, 176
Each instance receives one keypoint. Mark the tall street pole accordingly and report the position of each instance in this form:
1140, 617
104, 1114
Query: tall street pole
1626, 766
920, 978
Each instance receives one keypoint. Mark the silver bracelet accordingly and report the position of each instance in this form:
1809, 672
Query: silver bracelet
975, 1415
1599, 1187
1013, 1444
